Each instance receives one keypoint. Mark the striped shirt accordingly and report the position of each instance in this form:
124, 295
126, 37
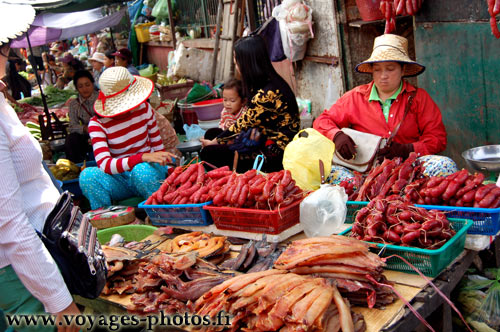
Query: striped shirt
119, 142
227, 119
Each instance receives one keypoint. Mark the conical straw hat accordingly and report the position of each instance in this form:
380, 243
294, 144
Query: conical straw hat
16, 19
121, 92
388, 48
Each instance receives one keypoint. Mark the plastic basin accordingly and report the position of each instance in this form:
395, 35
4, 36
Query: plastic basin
209, 109
129, 232
369, 10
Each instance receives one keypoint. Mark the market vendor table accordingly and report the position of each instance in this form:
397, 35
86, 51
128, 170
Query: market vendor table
393, 318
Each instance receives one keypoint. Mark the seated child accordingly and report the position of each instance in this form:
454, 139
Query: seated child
234, 103
234, 107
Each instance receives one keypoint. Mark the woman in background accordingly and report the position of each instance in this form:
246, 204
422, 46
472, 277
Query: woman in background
269, 123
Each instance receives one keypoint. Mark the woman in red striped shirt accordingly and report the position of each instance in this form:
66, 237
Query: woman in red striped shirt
129, 152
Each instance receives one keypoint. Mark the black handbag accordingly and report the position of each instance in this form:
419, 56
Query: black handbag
72, 242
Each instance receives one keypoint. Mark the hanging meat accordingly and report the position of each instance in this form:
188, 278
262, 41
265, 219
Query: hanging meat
494, 10
391, 8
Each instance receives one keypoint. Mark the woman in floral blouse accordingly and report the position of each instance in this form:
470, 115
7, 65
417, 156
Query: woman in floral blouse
271, 120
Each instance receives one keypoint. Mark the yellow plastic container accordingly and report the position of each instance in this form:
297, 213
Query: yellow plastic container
142, 32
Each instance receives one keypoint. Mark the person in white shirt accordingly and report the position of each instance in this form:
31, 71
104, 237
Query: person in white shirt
30, 281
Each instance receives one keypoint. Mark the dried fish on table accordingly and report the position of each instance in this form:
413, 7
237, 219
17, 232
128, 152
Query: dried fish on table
275, 300
345, 261
254, 256
206, 245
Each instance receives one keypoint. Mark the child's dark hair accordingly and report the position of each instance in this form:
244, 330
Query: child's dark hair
235, 84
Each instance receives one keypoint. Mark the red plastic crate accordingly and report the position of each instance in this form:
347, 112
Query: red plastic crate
253, 220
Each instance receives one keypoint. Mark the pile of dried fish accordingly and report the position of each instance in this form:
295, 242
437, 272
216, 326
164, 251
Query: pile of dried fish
164, 279
274, 300
206, 245
254, 256
346, 261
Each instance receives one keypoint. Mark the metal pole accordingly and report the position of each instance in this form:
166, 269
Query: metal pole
205, 17
217, 41
171, 20
233, 36
39, 82
112, 38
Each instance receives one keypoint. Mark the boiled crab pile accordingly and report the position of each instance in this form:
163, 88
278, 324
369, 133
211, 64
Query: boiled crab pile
275, 300
346, 262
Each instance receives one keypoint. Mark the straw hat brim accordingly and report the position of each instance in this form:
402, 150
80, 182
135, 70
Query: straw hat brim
16, 19
126, 101
412, 68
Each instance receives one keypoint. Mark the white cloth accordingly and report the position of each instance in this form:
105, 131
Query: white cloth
27, 195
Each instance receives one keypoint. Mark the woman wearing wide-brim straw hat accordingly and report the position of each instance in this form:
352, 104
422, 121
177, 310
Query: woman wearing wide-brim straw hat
127, 145
378, 107
30, 280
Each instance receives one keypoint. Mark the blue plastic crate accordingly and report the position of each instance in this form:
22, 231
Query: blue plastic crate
178, 215
485, 221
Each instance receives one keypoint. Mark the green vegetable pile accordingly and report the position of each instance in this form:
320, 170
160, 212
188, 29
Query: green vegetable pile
54, 96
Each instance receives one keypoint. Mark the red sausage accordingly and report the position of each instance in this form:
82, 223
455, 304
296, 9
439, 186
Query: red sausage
483, 191
440, 189
237, 191
410, 237
172, 177
434, 181
490, 198
479, 178
469, 196
451, 190
201, 174
280, 193
287, 178
462, 176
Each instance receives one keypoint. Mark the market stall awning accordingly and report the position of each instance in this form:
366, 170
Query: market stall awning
50, 27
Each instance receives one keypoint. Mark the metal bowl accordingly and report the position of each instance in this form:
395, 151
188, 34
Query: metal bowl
189, 146
57, 144
483, 158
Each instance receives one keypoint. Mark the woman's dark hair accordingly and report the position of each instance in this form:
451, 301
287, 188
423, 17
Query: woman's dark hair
254, 63
234, 84
76, 64
82, 73
109, 54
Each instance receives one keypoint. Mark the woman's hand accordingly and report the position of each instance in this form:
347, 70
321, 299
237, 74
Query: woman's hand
161, 157
71, 310
206, 142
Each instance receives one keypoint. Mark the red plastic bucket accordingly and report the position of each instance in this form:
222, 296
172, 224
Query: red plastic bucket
369, 10
189, 117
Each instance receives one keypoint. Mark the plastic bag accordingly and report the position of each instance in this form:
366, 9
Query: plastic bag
160, 10
302, 154
193, 132
323, 212
295, 22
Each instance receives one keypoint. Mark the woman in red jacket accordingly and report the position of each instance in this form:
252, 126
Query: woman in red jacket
378, 107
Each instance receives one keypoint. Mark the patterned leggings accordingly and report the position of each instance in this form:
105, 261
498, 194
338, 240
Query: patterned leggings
434, 166
101, 189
